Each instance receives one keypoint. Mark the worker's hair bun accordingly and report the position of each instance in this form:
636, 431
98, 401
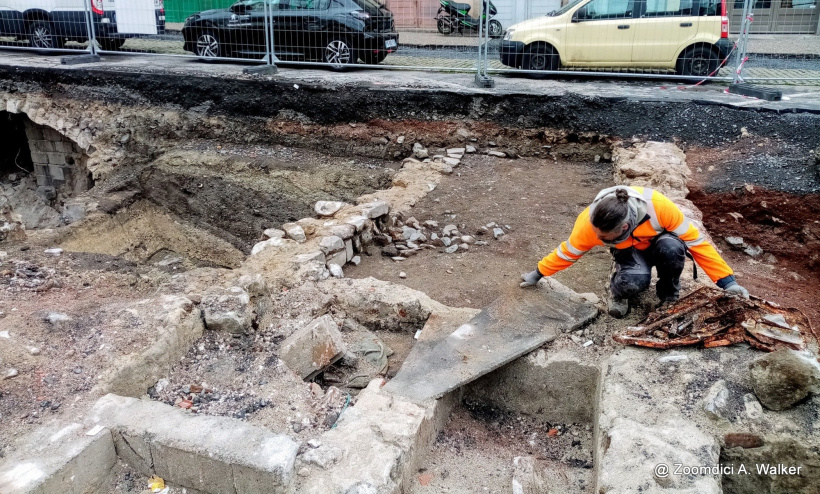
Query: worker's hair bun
622, 195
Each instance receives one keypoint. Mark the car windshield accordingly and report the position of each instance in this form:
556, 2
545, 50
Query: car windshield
565, 8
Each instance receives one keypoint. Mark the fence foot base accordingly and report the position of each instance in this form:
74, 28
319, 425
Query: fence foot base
764, 93
261, 70
484, 81
78, 59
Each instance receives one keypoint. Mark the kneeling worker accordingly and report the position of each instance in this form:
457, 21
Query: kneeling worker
643, 228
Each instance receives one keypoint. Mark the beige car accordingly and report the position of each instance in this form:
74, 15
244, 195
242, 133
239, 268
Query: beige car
690, 37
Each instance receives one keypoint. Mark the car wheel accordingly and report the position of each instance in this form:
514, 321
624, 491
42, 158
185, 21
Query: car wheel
494, 29
374, 58
339, 53
541, 57
111, 44
698, 61
208, 45
444, 26
41, 35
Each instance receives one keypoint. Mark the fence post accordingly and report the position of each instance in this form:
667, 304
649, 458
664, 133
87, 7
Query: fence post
269, 67
745, 24
92, 55
481, 77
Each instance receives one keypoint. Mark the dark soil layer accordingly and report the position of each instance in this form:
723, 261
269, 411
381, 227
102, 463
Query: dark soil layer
786, 227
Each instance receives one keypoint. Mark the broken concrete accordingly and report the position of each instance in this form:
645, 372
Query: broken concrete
177, 326
390, 434
512, 326
311, 349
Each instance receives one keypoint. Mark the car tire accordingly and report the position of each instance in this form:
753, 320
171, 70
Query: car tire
111, 44
541, 57
494, 29
339, 54
373, 58
698, 61
208, 45
444, 26
41, 35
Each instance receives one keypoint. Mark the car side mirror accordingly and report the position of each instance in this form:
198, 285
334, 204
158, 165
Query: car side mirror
579, 15
239, 8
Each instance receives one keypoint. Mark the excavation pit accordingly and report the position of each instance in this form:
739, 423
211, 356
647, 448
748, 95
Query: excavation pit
180, 197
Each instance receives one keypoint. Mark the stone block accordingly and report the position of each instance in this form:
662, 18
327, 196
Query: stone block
38, 157
331, 243
312, 348
50, 134
56, 172
42, 146
375, 209
56, 158
60, 460
227, 309
349, 250
338, 258
295, 232
344, 232
206, 453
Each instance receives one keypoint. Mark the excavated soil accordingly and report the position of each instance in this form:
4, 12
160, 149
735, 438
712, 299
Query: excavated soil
538, 199
785, 227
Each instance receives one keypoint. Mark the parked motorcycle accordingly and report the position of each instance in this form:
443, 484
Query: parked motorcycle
454, 16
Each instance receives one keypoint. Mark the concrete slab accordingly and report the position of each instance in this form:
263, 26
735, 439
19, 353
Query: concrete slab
209, 454
60, 459
511, 326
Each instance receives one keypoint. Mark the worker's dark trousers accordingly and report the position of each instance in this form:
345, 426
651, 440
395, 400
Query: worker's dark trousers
633, 268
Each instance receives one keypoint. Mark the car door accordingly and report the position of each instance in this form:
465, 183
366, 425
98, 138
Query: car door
287, 28
662, 29
245, 29
600, 32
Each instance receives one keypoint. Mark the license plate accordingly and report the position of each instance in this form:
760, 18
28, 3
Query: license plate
390, 43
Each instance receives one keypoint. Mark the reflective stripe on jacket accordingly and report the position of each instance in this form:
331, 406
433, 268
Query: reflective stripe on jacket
664, 216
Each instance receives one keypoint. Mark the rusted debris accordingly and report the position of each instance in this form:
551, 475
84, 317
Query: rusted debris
714, 318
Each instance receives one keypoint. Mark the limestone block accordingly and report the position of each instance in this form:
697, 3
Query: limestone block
327, 208
227, 309
331, 243
783, 378
375, 209
294, 232
312, 348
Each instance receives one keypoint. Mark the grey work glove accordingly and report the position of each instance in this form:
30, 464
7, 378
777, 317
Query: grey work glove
737, 290
531, 278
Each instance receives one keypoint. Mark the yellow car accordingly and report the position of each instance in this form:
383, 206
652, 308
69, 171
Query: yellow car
690, 37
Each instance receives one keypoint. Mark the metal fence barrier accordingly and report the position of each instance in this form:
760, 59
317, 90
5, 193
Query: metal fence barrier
728, 40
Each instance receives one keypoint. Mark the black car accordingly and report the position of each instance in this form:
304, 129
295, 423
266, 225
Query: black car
333, 31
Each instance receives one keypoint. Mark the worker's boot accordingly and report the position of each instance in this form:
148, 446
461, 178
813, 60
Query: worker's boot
618, 307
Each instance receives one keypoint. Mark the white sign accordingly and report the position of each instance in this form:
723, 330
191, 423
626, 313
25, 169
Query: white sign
135, 16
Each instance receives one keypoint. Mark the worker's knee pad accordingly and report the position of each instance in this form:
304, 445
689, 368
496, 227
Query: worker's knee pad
668, 255
627, 284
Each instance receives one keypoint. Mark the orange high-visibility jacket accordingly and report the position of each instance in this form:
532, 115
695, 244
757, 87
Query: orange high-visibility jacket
664, 216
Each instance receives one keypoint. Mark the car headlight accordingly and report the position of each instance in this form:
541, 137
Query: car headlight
509, 34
